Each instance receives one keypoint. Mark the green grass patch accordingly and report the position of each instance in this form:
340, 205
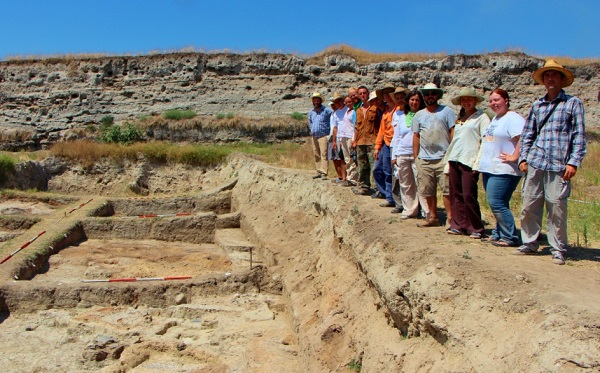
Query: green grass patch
298, 116
177, 114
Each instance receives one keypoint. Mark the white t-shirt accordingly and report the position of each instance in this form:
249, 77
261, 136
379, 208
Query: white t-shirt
402, 143
501, 137
346, 123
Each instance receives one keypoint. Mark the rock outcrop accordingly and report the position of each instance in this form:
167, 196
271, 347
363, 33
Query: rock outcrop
47, 100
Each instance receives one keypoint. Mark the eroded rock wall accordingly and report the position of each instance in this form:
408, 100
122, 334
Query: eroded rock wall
50, 98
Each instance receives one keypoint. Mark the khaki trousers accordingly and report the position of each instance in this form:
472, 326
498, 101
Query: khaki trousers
320, 153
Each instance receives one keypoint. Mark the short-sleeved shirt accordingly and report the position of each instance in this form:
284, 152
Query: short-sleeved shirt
501, 137
434, 130
319, 122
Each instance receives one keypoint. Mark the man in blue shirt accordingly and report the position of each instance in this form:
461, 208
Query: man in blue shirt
553, 145
319, 122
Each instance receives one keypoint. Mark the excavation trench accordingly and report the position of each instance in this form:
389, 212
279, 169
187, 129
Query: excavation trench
287, 274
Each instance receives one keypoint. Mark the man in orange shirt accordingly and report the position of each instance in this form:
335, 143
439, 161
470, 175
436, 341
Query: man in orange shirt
382, 172
364, 137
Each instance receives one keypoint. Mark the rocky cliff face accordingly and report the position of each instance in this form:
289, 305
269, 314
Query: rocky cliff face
43, 100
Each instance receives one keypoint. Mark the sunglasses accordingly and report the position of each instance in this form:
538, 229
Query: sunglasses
429, 93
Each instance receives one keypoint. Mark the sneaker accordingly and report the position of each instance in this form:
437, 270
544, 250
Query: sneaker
526, 249
558, 258
387, 204
476, 235
429, 223
338, 180
323, 177
377, 195
454, 232
397, 210
361, 191
345, 183
317, 176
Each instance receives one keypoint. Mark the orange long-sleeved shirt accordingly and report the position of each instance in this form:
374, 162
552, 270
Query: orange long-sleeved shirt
386, 130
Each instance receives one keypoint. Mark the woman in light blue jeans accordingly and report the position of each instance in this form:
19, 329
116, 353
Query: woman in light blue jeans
498, 166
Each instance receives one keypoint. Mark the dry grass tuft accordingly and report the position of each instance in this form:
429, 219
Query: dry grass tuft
570, 61
365, 57
15, 135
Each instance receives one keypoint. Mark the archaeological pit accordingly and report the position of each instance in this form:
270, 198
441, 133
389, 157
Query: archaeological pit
254, 268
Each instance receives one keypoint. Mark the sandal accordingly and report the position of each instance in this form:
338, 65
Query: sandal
503, 243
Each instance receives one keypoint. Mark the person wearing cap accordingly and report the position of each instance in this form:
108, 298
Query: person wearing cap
319, 122
364, 137
553, 145
432, 128
402, 154
463, 161
382, 171
499, 169
334, 150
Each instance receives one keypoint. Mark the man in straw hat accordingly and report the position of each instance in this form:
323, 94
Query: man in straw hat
553, 145
433, 128
319, 122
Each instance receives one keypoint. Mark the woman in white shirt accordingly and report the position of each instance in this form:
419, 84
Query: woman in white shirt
402, 155
499, 169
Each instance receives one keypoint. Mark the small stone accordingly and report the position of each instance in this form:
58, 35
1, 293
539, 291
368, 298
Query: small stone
506, 300
180, 299
520, 278
438, 266
166, 326
181, 346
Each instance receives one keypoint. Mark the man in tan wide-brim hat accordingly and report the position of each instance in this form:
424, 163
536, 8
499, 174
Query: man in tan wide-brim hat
553, 144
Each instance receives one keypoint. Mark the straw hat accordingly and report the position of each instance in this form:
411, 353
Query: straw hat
387, 88
432, 87
317, 95
372, 96
467, 92
553, 65
401, 90
337, 96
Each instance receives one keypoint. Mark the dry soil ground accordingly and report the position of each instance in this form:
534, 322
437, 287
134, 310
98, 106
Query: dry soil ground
343, 285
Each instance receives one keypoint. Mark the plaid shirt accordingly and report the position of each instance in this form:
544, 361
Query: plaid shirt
319, 122
562, 139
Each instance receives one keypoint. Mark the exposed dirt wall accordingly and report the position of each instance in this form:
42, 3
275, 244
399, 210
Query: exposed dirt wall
362, 284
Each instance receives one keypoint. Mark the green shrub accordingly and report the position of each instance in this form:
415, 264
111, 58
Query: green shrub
117, 135
106, 122
298, 116
230, 115
177, 114
7, 165
220, 116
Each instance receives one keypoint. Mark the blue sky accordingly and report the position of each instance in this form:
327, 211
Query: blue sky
541, 28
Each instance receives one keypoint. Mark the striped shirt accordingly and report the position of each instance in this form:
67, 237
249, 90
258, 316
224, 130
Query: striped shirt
319, 122
561, 140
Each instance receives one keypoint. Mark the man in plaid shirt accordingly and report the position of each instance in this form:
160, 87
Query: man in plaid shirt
553, 145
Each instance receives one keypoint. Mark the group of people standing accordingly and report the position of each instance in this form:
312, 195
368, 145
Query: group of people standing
401, 145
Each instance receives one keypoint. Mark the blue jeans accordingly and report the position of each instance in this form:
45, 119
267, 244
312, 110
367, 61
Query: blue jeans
382, 173
499, 190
